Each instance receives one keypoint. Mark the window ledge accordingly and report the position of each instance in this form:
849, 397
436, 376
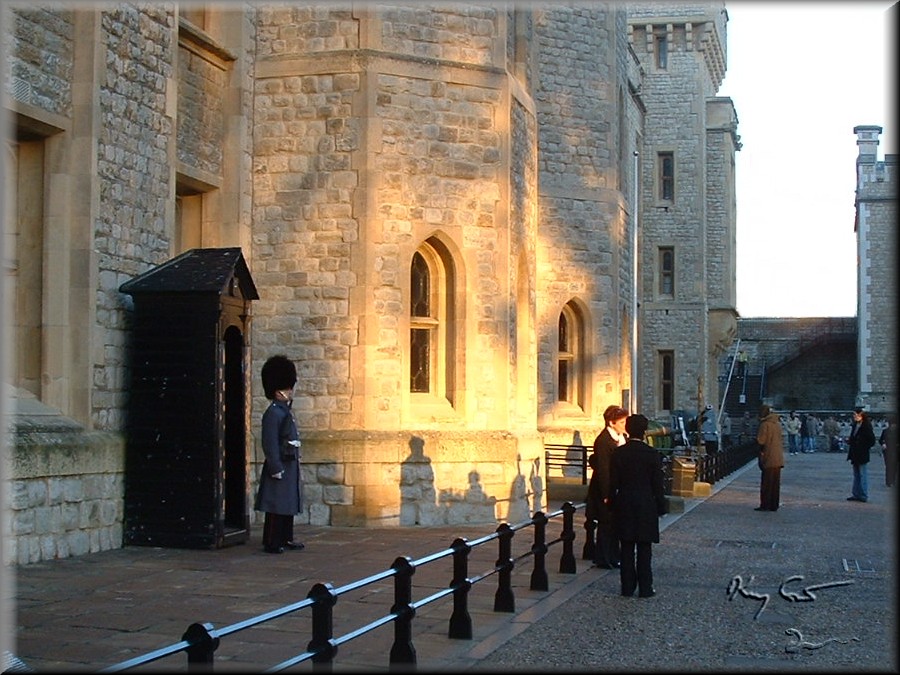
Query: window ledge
566, 409
431, 407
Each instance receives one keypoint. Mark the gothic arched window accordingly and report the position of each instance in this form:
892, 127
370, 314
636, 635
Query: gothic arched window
570, 359
431, 353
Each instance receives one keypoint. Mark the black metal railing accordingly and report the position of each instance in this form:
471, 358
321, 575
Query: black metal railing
201, 640
715, 466
571, 460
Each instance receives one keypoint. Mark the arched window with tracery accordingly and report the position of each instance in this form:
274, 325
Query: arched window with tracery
431, 351
570, 358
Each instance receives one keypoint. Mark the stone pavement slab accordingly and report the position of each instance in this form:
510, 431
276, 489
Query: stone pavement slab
810, 587
86, 613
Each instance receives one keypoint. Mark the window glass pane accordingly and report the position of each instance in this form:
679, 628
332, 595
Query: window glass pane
419, 375
667, 382
666, 272
563, 334
420, 287
667, 175
563, 380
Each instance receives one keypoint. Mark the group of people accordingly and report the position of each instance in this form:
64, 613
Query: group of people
860, 441
802, 431
625, 495
625, 498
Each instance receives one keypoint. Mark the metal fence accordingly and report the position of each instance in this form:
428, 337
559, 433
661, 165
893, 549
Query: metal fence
201, 640
572, 460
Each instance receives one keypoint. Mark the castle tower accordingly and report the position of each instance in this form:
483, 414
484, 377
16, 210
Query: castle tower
687, 205
876, 241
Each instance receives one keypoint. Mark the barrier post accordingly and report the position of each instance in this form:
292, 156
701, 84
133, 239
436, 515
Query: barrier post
567, 560
322, 642
587, 551
460, 620
403, 650
539, 580
503, 598
203, 647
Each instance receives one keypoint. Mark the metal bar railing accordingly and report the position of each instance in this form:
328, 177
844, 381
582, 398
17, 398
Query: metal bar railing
573, 458
201, 640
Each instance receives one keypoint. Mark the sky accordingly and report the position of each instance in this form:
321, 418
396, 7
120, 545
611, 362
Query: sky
801, 76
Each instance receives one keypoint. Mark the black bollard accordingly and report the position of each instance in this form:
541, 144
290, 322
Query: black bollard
403, 650
539, 580
322, 642
203, 647
567, 560
503, 598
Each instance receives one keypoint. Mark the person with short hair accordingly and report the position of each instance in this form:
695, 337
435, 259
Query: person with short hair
771, 458
638, 500
597, 508
862, 438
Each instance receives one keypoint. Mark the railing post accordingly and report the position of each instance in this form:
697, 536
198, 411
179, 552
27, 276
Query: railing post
539, 581
203, 647
322, 640
403, 651
460, 620
567, 561
503, 598
587, 551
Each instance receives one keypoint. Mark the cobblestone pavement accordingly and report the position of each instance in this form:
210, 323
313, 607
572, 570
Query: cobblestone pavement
826, 565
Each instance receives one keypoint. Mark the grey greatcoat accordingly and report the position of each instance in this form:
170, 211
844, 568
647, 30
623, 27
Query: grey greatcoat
638, 494
282, 496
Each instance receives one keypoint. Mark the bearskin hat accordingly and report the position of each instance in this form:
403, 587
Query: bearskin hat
278, 372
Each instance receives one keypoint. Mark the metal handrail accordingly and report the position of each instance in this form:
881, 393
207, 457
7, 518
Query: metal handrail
201, 640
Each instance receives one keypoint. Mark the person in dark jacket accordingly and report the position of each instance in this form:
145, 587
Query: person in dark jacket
771, 458
638, 500
862, 438
280, 493
606, 546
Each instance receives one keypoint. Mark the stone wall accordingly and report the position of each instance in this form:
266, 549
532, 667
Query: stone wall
65, 489
809, 363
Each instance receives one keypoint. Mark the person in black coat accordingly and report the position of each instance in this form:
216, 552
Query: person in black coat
638, 500
280, 493
862, 438
606, 546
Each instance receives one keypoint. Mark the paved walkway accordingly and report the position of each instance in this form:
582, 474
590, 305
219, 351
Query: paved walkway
833, 561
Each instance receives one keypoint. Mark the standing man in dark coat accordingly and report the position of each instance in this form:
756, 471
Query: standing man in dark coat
771, 458
862, 438
638, 500
598, 509
280, 493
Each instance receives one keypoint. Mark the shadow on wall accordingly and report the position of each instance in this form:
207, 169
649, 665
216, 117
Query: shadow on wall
420, 504
575, 455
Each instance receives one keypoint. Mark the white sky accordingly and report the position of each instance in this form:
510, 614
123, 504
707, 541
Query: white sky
801, 76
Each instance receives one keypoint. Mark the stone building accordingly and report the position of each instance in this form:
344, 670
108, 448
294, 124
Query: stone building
687, 205
466, 223
802, 363
876, 240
